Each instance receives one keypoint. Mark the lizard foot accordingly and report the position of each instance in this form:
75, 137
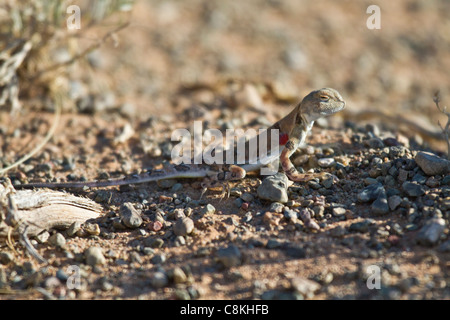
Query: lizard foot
305, 177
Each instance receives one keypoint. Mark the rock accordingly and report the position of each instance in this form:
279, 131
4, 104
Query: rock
295, 251
57, 240
159, 280
420, 179
153, 242
247, 197
375, 143
94, 256
446, 180
431, 164
208, 209
305, 215
6, 257
230, 256
305, 287
338, 211
338, 232
248, 97
432, 182
92, 229
445, 246
274, 188
328, 181
176, 187
394, 201
183, 226
178, 275
166, 183
159, 258
284, 90
43, 237
413, 189
380, 205
397, 152
430, 233
73, 229
295, 58
371, 192
291, 215
326, 162
276, 207
130, 216
361, 226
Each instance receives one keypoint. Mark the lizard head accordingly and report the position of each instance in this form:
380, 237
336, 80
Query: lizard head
320, 103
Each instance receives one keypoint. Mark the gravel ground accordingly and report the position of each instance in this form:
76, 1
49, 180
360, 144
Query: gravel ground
380, 232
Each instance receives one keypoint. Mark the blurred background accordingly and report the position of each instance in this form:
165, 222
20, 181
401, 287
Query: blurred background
284, 47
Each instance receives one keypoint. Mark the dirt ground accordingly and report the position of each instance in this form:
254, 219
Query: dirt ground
180, 61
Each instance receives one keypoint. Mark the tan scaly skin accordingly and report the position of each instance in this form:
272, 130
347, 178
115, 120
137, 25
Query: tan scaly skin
293, 130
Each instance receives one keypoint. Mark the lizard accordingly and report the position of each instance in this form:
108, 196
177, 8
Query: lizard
292, 130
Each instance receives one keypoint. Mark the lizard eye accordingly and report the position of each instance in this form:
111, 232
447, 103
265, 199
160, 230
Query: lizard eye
324, 98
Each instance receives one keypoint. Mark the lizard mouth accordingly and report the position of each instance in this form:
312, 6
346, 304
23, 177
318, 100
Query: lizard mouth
338, 107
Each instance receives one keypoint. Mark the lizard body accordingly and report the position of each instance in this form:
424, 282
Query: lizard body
293, 130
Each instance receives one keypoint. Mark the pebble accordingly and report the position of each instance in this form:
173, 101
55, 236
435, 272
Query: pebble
430, 233
284, 90
361, 226
375, 143
338, 211
166, 183
43, 237
307, 288
445, 246
247, 197
159, 258
159, 280
73, 229
229, 256
92, 229
276, 207
380, 205
305, 215
153, 242
6, 257
183, 226
94, 256
155, 225
208, 209
248, 96
431, 164
394, 201
371, 192
57, 240
338, 232
274, 188
326, 162
327, 182
412, 189
419, 178
130, 216
178, 275
397, 152
176, 187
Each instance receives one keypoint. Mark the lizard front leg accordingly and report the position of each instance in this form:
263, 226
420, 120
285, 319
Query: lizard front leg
297, 137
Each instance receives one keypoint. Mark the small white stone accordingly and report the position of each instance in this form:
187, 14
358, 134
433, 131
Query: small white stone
326, 162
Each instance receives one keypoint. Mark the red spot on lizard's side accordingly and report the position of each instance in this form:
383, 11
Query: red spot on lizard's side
284, 137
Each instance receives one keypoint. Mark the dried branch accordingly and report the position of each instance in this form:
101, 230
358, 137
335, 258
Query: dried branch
26, 213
